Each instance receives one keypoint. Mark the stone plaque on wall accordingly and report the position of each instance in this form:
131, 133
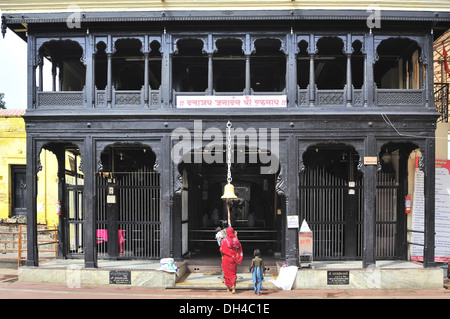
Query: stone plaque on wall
120, 277
338, 277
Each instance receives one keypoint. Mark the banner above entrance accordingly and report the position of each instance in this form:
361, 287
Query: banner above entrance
224, 101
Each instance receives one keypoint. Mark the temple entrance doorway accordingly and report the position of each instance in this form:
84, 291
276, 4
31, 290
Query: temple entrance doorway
253, 214
128, 203
331, 200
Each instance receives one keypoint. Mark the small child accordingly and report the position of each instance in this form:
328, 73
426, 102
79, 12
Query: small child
219, 235
258, 271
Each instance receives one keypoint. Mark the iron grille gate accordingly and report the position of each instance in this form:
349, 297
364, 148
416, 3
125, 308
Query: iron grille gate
334, 212
75, 219
133, 213
386, 216
334, 215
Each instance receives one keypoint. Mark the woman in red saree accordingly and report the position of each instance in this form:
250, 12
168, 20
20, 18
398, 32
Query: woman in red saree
232, 255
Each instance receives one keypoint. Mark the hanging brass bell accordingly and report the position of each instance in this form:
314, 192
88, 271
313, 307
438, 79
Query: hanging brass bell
228, 192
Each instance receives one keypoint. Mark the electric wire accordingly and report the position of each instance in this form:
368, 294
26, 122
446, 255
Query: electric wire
388, 122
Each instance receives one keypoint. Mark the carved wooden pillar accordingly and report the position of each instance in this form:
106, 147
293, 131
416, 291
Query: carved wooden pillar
53, 76
349, 85
427, 81
166, 70
92, 88
364, 87
247, 74
420, 73
32, 169
109, 79
428, 63
146, 74
291, 71
176, 246
429, 196
349, 79
312, 84
41, 72
90, 222
410, 73
89, 62
60, 153
247, 52
108, 52
209, 49
369, 227
210, 74
163, 157
31, 78
289, 172
369, 63
61, 77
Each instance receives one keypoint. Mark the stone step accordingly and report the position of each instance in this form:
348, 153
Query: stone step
213, 280
215, 266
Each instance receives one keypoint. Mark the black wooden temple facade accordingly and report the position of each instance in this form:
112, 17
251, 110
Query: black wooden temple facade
358, 100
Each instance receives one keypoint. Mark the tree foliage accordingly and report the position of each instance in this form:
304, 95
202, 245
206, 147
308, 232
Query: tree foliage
2, 103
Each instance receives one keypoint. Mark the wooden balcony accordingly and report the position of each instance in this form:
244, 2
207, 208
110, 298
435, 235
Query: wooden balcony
133, 99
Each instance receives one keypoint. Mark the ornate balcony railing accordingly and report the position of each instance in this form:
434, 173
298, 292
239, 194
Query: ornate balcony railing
100, 98
330, 98
305, 98
59, 100
399, 97
302, 97
358, 97
127, 99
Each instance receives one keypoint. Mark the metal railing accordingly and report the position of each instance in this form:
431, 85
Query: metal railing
441, 100
44, 253
415, 231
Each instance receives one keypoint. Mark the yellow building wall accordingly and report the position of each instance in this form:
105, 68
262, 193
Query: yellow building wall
47, 189
442, 132
30, 6
13, 152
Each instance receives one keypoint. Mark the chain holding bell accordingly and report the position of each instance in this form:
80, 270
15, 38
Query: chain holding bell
228, 191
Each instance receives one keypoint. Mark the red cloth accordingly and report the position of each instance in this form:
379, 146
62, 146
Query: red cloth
102, 236
232, 255
444, 53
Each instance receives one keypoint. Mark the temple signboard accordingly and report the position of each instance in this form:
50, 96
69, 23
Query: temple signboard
224, 101
442, 212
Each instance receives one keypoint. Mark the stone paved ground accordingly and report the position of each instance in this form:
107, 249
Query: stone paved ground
10, 288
